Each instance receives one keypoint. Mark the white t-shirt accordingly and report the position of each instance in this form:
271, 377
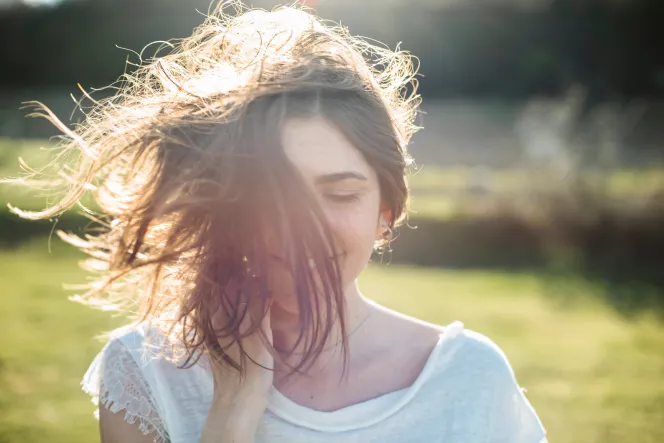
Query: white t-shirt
466, 393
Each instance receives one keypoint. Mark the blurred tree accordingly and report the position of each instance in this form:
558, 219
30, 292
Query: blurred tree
472, 49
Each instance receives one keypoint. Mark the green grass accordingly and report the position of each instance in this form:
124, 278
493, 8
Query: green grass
46, 343
592, 375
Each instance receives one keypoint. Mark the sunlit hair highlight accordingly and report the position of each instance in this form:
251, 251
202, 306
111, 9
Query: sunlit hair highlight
191, 186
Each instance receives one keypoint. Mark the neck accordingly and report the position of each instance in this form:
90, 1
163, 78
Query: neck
286, 330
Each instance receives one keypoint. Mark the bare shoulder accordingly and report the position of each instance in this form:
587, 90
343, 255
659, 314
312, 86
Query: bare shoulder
410, 331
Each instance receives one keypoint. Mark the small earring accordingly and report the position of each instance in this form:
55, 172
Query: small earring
387, 234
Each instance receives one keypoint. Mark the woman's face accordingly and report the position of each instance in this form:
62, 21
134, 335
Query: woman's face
344, 184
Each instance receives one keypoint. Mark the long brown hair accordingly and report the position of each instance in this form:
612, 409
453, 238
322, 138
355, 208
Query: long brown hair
185, 165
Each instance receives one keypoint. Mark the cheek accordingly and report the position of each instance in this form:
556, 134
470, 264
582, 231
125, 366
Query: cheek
355, 231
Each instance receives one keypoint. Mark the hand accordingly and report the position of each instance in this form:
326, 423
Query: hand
254, 386
239, 402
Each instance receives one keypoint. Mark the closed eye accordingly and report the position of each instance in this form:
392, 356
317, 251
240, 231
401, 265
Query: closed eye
342, 198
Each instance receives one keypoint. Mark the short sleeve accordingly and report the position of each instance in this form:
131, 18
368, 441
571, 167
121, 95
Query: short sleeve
115, 381
515, 420
512, 419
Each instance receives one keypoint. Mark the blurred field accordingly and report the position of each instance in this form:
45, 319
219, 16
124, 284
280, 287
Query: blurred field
592, 375
46, 344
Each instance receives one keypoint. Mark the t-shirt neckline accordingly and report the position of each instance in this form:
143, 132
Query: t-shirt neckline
365, 413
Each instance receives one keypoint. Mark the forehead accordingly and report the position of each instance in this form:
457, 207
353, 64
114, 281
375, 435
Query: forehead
316, 147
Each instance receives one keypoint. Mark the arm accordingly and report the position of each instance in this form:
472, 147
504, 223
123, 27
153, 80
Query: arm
221, 427
113, 428
127, 412
239, 403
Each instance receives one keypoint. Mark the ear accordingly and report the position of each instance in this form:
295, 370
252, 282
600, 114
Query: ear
386, 216
384, 220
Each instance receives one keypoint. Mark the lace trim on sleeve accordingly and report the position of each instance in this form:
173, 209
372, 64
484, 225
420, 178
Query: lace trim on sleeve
114, 381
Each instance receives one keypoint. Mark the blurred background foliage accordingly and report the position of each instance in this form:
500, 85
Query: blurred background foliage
538, 199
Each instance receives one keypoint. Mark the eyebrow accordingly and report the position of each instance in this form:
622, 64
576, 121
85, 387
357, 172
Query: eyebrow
339, 176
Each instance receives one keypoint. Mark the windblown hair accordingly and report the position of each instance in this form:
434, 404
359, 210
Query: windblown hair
191, 184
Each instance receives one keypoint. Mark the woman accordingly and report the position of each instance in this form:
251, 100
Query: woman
247, 178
